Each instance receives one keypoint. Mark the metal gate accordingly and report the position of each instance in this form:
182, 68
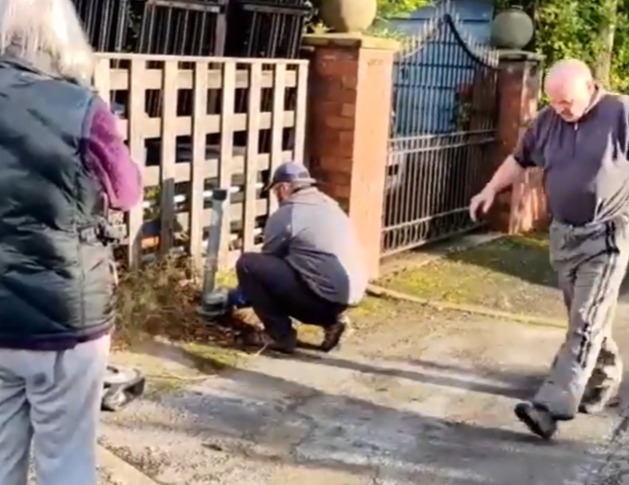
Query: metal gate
443, 132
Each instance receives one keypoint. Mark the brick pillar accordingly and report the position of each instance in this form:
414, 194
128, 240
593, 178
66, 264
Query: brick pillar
349, 119
523, 208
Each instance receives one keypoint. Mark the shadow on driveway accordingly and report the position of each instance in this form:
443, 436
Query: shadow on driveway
258, 418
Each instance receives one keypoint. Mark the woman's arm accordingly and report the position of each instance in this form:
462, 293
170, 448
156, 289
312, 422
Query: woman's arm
108, 158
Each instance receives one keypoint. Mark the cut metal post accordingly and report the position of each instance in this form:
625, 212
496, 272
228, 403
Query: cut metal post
219, 196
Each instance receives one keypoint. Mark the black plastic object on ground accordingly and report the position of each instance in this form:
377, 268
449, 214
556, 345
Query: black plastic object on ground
121, 386
266, 28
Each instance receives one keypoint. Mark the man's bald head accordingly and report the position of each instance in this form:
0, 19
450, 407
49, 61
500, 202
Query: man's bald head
567, 71
570, 87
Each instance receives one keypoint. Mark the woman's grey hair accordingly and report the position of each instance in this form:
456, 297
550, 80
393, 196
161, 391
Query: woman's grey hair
48, 34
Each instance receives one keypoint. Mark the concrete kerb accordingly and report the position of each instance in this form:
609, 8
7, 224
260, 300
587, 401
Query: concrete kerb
380, 292
122, 472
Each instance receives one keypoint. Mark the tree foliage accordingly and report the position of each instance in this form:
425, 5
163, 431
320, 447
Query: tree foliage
386, 9
398, 8
596, 31
619, 78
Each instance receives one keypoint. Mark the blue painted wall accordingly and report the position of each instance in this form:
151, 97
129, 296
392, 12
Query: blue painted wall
426, 84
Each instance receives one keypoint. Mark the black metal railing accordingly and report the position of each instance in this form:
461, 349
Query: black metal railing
184, 27
265, 28
207, 28
106, 23
236, 28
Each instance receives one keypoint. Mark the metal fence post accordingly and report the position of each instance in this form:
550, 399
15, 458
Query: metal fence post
219, 196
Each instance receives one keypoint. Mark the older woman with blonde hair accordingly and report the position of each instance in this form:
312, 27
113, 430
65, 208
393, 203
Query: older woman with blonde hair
62, 164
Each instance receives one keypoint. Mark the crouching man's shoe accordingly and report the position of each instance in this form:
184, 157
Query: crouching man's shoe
537, 418
285, 345
597, 399
335, 333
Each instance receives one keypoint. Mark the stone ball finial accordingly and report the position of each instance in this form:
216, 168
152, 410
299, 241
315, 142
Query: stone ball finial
512, 29
348, 16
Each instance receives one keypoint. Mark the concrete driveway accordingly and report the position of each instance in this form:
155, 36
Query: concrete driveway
422, 398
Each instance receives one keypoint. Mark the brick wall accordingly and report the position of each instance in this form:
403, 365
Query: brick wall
332, 119
348, 128
524, 207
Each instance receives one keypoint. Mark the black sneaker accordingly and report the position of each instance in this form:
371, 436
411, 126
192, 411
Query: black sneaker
596, 400
263, 340
537, 419
334, 333
286, 345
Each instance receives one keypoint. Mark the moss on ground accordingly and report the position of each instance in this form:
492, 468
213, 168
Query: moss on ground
160, 385
210, 359
369, 307
510, 274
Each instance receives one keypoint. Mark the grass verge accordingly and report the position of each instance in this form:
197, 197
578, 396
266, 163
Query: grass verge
511, 274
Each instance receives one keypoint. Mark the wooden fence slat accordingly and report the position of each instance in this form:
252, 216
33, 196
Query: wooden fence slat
185, 78
185, 213
212, 123
209, 168
197, 176
137, 97
277, 125
103, 79
118, 56
236, 211
226, 149
168, 155
251, 160
300, 112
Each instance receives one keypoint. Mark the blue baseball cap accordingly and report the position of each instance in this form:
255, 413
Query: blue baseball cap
292, 173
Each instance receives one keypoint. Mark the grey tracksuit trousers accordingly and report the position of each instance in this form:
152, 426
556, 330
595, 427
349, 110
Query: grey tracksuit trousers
52, 399
590, 262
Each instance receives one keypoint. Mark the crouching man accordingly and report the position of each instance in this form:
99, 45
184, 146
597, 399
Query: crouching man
311, 267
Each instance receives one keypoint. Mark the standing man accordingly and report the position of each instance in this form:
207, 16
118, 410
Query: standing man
311, 267
582, 142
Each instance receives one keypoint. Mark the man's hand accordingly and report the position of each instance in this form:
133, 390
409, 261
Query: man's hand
482, 202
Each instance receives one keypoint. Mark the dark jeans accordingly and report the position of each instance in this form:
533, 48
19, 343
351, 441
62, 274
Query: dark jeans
277, 293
